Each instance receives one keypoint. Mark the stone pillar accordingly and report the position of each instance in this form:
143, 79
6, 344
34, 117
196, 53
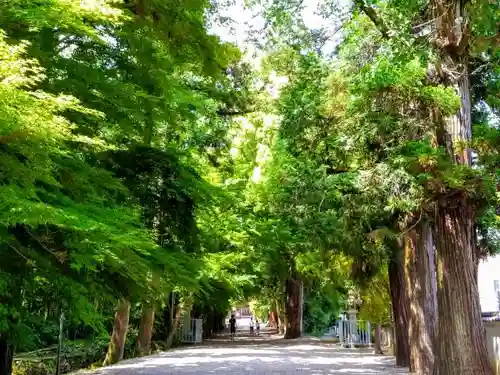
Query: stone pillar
352, 315
368, 332
352, 324
341, 328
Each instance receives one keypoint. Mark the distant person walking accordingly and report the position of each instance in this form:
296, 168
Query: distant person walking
232, 327
257, 326
251, 326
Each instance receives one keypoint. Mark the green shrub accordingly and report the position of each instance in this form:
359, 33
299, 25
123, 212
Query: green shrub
75, 355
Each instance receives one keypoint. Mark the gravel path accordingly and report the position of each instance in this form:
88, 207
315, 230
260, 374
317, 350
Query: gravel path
265, 357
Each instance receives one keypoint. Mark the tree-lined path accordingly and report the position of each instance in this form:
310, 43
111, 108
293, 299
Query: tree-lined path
264, 355
301, 161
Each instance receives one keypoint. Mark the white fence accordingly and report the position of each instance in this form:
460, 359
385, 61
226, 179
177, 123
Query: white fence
354, 332
493, 341
190, 331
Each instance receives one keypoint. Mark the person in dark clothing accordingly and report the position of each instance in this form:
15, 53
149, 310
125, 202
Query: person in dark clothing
251, 326
232, 327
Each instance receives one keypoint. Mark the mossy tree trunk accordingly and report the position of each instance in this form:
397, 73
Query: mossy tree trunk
120, 328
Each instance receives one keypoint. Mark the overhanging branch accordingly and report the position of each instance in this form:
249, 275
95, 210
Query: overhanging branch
374, 17
222, 112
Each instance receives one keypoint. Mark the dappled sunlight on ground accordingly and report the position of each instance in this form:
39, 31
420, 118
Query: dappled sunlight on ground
259, 357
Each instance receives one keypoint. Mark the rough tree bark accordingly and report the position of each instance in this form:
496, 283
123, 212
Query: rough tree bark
461, 348
461, 345
293, 308
120, 328
420, 278
145, 331
6, 355
399, 311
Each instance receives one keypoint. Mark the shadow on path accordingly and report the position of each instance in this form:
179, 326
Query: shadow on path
251, 356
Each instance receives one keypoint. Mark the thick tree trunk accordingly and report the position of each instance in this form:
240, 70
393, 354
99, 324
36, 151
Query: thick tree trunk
421, 293
145, 331
378, 340
6, 356
399, 311
175, 325
461, 348
120, 328
293, 308
461, 344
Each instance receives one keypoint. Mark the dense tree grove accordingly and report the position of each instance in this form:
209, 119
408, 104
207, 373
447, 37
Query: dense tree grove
149, 171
